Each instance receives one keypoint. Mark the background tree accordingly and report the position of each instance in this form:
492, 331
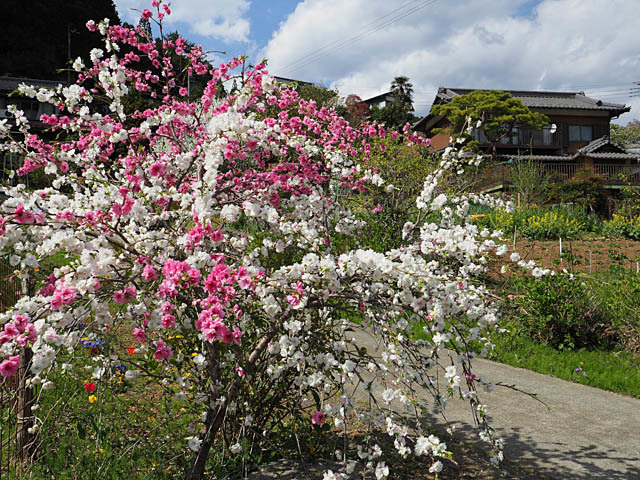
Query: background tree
403, 88
40, 30
322, 95
392, 115
400, 112
496, 111
626, 136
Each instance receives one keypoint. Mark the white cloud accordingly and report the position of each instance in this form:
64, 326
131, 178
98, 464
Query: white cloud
224, 20
561, 44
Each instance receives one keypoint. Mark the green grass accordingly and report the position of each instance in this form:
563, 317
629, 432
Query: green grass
615, 371
130, 431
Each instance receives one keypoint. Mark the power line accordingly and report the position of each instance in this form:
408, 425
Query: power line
295, 66
315, 52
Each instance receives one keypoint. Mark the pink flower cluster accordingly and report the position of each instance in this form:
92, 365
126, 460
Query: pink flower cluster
163, 352
26, 217
139, 334
318, 418
177, 275
9, 367
125, 295
149, 274
63, 296
20, 330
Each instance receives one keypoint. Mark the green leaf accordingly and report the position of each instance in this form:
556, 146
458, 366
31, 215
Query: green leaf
82, 430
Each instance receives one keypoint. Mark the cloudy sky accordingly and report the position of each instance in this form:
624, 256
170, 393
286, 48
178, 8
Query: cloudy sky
359, 46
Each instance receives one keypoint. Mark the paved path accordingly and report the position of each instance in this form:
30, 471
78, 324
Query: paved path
588, 434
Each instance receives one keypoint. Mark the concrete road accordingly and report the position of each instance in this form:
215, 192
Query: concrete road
588, 434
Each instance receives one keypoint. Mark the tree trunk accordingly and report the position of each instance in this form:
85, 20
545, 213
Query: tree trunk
214, 419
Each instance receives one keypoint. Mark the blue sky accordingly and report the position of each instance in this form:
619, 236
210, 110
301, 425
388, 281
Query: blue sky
359, 46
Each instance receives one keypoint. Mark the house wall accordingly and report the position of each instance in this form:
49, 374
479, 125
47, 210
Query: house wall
439, 141
599, 123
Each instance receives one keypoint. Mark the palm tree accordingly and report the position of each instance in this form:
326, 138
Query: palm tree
404, 89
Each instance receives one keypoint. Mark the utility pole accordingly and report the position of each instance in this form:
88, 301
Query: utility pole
68, 54
69, 32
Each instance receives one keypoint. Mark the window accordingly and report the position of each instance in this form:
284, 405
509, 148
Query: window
479, 136
580, 133
547, 134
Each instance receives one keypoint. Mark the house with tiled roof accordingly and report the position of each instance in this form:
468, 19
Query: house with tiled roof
577, 135
31, 107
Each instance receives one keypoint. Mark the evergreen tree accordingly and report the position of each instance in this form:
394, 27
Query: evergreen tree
495, 111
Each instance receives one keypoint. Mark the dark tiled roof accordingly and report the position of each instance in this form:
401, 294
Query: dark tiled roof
610, 155
290, 80
9, 84
617, 156
533, 99
595, 145
601, 145
380, 97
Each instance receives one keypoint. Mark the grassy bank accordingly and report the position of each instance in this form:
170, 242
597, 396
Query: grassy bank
615, 371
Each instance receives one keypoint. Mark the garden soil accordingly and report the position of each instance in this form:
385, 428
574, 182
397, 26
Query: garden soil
593, 254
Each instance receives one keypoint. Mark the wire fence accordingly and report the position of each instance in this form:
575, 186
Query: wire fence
16, 395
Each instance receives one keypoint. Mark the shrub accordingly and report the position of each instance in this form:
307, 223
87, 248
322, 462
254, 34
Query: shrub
621, 226
560, 311
212, 237
539, 223
585, 189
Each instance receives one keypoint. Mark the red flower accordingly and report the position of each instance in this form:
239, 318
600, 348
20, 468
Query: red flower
131, 350
90, 387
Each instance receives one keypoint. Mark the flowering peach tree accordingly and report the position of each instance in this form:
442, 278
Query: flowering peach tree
211, 235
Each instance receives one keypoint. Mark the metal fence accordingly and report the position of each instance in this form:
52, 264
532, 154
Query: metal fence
10, 287
499, 176
16, 397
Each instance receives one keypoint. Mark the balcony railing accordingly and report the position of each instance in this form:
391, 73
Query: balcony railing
613, 174
525, 138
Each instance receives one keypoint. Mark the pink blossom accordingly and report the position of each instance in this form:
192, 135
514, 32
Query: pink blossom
240, 371
9, 367
63, 296
131, 292
139, 334
216, 236
119, 297
146, 14
318, 418
149, 274
378, 209
237, 336
168, 321
245, 282
163, 352
293, 300
158, 169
